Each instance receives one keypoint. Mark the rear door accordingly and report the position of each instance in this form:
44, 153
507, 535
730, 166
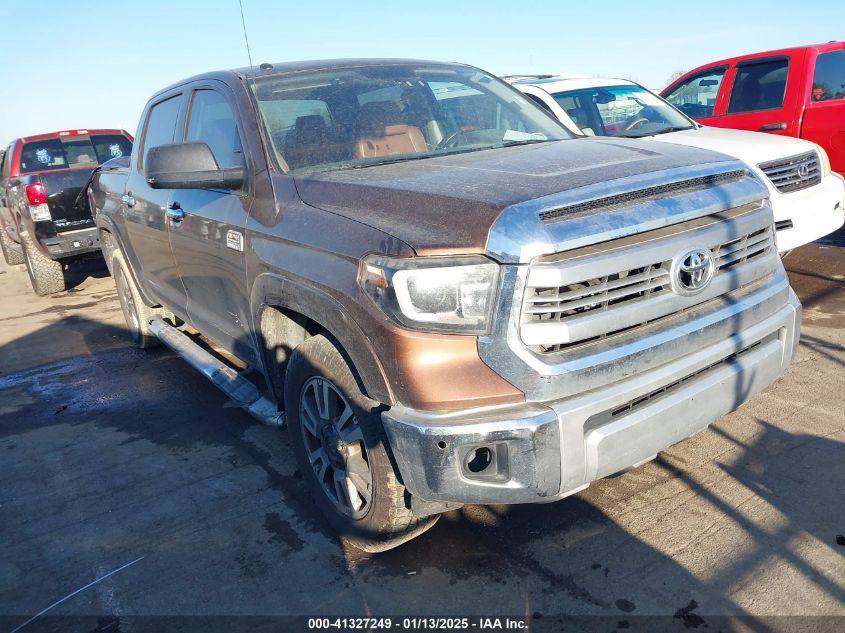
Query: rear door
824, 116
208, 243
145, 209
762, 95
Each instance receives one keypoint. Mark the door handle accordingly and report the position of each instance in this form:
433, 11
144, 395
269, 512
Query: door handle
128, 200
773, 127
175, 212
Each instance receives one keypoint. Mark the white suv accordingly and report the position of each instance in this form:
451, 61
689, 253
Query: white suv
808, 200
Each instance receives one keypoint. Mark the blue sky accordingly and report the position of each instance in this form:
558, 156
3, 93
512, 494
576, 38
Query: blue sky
90, 63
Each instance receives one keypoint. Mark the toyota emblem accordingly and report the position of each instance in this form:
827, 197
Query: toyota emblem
692, 271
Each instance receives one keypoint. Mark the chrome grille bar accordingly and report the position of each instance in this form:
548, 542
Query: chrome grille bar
585, 295
794, 173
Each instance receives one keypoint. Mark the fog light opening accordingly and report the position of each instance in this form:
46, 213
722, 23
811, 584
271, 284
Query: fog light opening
479, 459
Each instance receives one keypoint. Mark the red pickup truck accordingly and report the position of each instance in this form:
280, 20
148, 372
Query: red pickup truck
44, 222
794, 92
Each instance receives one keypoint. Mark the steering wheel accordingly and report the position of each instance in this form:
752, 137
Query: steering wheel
635, 123
449, 141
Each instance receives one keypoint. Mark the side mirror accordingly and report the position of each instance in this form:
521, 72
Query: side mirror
189, 165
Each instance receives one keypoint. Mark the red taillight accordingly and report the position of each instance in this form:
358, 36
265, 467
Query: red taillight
35, 194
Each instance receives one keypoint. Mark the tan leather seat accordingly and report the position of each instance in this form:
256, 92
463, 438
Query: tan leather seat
382, 132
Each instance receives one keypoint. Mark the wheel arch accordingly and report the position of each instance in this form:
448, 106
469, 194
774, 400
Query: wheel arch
286, 312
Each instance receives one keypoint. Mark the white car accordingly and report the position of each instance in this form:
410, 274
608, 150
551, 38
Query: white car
808, 200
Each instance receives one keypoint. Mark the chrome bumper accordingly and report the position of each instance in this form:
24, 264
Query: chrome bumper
541, 452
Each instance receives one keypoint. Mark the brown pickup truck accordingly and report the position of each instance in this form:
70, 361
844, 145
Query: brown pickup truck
446, 298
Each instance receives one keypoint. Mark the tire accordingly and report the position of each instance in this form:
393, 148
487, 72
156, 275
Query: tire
342, 442
135, 311
11, 252
46, 275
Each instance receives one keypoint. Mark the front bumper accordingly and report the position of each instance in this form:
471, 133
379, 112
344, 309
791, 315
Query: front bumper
72, 243
809, 214
541, 452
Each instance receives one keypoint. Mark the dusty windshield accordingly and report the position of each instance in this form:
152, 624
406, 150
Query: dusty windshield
357, 117
630, 111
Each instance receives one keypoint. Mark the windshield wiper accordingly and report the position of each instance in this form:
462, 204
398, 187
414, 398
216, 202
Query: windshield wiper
528, 141
663, 130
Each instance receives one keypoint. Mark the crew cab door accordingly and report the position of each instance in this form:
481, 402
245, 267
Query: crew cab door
700, 97
762, 95
145, 210
208, 240
824, 117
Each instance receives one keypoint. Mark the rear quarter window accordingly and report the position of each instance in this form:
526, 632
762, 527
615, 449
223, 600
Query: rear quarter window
829, 77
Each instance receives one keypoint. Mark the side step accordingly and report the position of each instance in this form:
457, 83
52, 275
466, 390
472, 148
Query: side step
242, 391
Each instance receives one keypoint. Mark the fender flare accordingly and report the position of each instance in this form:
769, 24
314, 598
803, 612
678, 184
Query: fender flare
274, 290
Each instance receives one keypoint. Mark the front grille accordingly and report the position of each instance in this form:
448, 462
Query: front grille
795, 173
597, 294
641, 195
584, 310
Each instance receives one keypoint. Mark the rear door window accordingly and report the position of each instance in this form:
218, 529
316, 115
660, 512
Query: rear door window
213, 122
829, 77
696, 97
759, 85
161, 124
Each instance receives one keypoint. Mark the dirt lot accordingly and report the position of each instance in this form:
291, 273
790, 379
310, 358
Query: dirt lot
112, 458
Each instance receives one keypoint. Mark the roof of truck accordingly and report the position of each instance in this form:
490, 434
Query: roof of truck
77, 132
283, 68
558, 84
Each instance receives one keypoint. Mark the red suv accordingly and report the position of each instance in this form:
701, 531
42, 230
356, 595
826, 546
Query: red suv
794, 92
44, 222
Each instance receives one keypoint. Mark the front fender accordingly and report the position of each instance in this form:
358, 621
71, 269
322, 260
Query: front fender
273, 289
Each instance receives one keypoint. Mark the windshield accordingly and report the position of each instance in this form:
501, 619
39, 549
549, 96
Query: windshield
630, 111
358, 117
73, 151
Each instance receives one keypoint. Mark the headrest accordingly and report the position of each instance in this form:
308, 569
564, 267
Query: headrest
310, 128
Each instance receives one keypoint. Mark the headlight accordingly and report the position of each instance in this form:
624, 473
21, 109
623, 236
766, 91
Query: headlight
442, 294
825, 160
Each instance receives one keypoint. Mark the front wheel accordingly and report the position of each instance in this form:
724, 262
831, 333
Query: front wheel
342, 450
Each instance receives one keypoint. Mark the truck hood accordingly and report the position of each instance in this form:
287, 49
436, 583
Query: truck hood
448, 204
750, 147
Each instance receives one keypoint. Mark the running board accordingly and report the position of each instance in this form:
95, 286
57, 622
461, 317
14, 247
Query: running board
242, 391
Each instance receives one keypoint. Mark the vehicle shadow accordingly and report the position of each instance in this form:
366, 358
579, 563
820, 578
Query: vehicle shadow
127, 453
78, 270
